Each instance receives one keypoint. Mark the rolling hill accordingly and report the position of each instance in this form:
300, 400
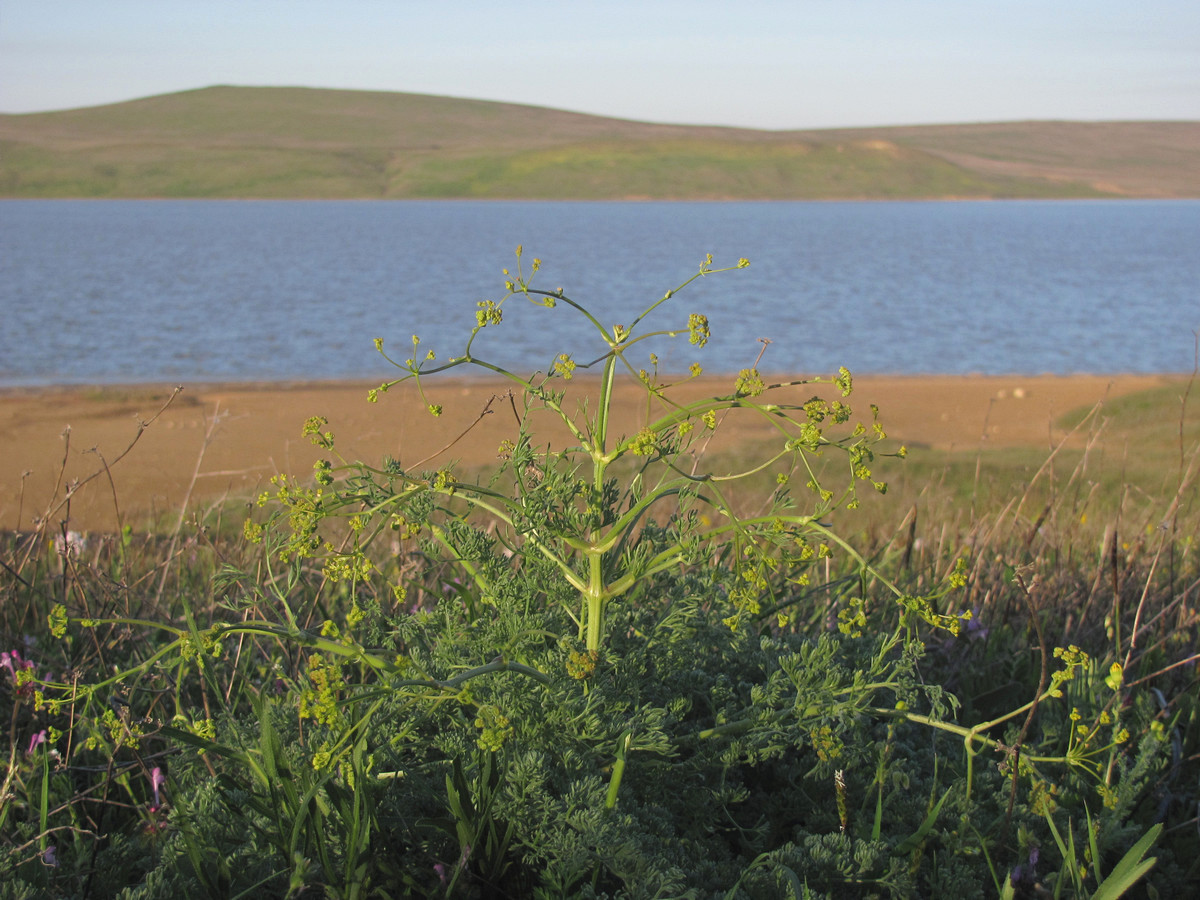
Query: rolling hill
312, 143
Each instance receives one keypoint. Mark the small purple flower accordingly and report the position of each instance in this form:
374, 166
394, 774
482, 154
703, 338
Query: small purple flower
1025, 874
35, 741
440, 871
975, 626
50, 856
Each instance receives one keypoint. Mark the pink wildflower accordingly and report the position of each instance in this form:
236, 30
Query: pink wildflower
36, 740
157, 780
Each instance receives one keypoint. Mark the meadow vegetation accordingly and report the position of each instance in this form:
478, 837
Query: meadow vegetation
620, 666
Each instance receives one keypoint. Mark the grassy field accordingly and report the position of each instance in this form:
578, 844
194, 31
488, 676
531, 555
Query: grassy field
437, 742
307, 143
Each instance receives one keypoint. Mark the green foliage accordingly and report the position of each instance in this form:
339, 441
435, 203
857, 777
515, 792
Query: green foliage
592, 673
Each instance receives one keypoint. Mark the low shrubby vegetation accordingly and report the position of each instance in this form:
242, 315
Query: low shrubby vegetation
620, 667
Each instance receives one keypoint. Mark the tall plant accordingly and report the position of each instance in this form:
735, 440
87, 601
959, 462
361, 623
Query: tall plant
565, 505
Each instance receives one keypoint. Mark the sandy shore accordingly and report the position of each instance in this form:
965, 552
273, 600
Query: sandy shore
215, 441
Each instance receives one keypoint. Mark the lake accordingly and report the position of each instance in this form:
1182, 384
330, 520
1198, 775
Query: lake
97, 292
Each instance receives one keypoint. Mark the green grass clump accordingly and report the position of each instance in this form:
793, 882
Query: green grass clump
613, 668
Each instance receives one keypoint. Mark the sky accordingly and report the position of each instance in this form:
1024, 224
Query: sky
774, 64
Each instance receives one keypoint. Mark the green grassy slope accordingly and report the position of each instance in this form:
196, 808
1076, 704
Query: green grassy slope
299, 142
1132, 158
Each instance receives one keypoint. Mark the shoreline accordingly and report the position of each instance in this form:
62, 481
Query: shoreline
365, 382
226, 439
634, 198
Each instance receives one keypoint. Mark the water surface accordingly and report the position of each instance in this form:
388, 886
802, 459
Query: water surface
148, 291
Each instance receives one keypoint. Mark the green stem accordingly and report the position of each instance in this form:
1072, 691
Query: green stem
594, 594
600, 438
595, 597
618, 770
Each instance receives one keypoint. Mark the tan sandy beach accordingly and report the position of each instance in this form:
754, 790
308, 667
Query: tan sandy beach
215, 441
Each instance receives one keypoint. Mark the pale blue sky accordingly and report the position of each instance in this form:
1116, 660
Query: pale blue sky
757, 63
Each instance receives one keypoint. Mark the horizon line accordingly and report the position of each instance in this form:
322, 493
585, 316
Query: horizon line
930, 124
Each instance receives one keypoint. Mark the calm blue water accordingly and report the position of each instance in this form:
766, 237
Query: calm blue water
149, 291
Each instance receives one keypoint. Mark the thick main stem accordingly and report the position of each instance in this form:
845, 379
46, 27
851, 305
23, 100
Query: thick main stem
595, 594
595, 601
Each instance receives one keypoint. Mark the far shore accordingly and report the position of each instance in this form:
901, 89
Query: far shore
215, 441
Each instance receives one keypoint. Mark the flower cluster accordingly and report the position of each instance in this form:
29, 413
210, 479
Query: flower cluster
582, 665
494, 728
1073, 658
749, 383
489, 312
644, 442
347, 566
564, 366
312, 431
320, 701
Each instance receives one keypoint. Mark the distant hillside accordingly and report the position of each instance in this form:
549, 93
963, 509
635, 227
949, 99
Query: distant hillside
300, 142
